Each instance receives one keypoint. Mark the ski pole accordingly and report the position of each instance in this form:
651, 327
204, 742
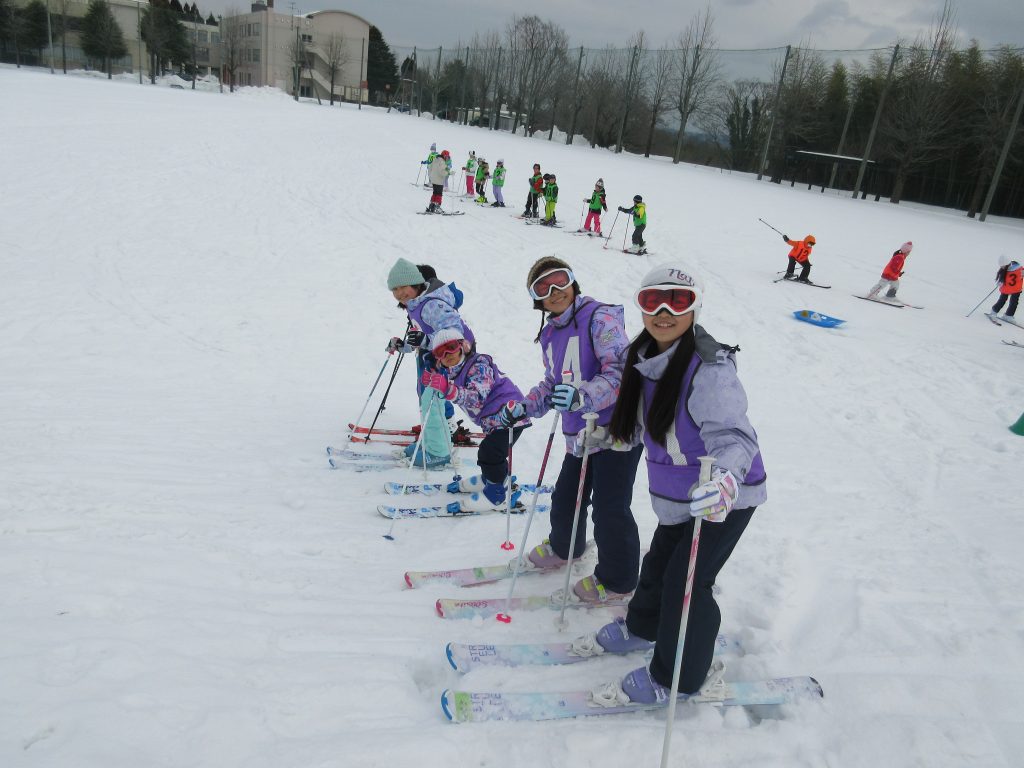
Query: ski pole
412, 465
372, 390
609, 237
769, 225
590, 418
982, 301
418, 174
507, 544
706, 463
517, 564
624, 234
380, 410
582, 214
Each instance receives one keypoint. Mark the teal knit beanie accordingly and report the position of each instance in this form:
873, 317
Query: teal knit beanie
404, 273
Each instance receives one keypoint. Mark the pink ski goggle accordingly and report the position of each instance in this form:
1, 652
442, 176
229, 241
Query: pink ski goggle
677, 300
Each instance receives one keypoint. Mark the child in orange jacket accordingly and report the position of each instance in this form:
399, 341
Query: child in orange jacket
892, 273
800, 254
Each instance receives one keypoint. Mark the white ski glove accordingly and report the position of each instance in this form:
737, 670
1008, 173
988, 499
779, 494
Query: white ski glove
713, 500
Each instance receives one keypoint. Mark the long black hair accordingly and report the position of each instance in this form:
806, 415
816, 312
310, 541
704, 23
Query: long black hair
661, 411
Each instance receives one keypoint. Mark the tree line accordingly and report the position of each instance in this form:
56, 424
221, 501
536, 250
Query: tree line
933, 119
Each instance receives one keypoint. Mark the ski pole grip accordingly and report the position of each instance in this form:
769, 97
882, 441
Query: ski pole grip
706, 464
567, 377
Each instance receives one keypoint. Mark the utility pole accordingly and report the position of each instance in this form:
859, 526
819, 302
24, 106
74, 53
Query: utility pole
49, 34
1002, 158
874, 123
195, 35
362, 70
220, 57
138, 16
775, 109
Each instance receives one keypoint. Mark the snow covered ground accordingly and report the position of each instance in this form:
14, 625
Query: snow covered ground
193, 304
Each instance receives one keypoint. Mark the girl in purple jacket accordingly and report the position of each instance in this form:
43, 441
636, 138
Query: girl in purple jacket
681, 394
473, 381
588, 339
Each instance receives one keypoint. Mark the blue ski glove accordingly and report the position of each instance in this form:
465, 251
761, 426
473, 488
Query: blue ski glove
509, 416
566, 398
714, 500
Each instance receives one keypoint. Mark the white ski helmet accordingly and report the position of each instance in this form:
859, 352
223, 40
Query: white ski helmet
677, 273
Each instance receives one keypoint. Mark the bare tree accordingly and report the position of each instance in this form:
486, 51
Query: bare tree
536, 51
336, 57
800, 115
635, 73
696, 71
658, 92
915, 123
232, 37
599, 87
483, 70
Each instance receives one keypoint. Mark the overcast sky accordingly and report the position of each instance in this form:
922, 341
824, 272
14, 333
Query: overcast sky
829, 24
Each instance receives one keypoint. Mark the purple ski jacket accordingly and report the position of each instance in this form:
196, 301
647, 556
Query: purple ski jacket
589, 339
711, 420
435, 309
482, 390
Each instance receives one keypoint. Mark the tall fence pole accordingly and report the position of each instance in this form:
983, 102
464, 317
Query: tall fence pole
1002, 158
465, 77
138, 16
775, 110
49, 35
874, 123
575, 98
496, 108
437, 82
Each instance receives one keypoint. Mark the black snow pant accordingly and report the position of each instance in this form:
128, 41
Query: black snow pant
805, 270
657, 605
609, 489
492, 455
1013, 297
531, 204
638, 235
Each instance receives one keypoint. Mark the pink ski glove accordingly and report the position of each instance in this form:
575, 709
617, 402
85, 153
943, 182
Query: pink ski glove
714, 499
436, 381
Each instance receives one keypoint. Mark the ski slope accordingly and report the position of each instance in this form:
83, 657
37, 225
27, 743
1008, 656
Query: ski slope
194, 304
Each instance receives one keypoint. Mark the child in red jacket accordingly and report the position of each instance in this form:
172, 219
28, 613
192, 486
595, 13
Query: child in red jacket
892, 273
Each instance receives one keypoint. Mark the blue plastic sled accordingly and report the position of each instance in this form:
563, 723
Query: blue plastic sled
817, 318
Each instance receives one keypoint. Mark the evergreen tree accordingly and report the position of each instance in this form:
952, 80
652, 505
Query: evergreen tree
101, 35
381, 68
33, 36
165, 36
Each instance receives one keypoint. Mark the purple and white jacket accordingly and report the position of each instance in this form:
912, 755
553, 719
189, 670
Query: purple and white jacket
482, 389
711, 420
590, 340
435, 309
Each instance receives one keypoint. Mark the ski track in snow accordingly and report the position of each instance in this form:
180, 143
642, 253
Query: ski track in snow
195, 305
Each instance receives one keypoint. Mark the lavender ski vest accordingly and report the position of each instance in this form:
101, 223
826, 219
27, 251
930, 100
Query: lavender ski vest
416, 315
502, 391
673, 469
567, 348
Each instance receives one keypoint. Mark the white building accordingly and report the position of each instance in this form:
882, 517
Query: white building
324, 40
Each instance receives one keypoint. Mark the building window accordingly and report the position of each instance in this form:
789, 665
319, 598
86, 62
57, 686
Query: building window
307, 38
305, 92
